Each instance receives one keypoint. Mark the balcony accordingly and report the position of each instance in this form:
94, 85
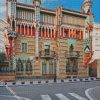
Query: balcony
47, 55
72, 55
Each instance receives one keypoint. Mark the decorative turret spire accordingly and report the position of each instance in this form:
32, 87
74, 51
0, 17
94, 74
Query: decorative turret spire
11, 13
37, 4
87, 1
86, 7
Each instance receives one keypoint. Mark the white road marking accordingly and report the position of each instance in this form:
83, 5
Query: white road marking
77, 96
62, 97
11, 91
2, 83
45, 97
23, 98
6, 96
88, 93
18, 97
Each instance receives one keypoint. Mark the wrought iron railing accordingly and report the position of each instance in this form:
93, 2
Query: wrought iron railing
73, 54
44, 54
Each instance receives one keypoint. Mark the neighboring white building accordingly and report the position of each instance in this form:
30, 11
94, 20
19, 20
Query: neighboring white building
96, 41
96, 46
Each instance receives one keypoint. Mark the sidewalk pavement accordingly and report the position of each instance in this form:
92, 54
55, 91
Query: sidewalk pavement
93, 93
29, 82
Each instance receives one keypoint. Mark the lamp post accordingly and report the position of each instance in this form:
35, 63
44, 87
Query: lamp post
36, 40
55, 60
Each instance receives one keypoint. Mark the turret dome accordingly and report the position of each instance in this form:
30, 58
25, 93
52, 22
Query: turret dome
87, 1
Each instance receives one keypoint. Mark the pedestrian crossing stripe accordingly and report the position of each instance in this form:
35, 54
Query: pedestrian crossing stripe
45, 97
62, 97
77, 96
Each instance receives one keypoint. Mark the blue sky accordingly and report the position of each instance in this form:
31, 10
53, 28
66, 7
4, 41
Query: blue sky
70, 4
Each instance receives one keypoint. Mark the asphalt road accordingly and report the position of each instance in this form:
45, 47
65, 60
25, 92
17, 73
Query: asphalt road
54, 91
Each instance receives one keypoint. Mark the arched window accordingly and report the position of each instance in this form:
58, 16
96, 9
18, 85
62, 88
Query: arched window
28, 65
77, 34
46, 32
43, 31
40, 31
49, 33
29, 30
22, 29
13, 25
19, 66
66, 33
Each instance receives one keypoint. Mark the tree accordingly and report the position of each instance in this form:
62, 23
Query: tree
2, 56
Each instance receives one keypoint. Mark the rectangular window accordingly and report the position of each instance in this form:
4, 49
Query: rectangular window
24, 47
44, 69
51, 68
41, 18
50, 20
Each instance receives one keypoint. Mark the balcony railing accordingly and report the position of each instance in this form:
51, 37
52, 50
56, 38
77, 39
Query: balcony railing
73, 54
47, 55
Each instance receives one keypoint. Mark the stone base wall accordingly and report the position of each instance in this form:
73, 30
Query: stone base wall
7, 77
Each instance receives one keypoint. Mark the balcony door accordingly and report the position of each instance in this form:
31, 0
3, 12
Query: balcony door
51, 68
48, 68
44, 68
47, 49
19, 66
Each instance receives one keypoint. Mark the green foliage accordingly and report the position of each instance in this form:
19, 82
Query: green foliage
2, 56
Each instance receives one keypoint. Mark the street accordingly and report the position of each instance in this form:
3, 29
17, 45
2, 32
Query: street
50, 91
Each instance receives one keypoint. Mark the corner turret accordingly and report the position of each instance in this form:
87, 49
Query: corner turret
86, 7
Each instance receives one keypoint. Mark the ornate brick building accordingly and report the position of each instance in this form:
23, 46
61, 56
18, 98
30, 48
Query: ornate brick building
48, 42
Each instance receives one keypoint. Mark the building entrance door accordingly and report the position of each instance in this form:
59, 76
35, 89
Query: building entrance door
72, 67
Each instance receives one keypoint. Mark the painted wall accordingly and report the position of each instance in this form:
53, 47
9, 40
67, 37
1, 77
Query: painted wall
96, 41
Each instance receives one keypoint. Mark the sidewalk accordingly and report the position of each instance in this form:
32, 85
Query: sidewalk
93, 93
39, 81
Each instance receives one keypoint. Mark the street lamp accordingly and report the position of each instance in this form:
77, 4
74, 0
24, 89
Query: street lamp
55, 76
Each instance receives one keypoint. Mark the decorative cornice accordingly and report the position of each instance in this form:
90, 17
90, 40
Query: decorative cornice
26, 6
73, 12
46, 10
73, 26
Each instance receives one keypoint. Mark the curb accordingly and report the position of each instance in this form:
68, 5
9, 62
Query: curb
50, 81
88, 93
